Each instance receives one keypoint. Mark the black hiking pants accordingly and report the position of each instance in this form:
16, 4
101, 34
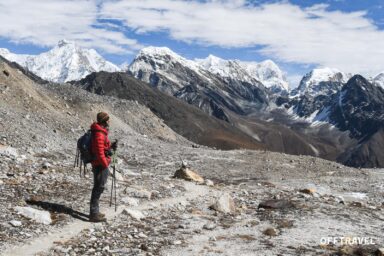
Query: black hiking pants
100, 177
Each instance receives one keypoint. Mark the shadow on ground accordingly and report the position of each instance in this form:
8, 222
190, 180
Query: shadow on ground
59, 208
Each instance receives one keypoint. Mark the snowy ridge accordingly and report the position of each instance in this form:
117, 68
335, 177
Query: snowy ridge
311, 82
65, 62
379, 80
266, 72
161, 57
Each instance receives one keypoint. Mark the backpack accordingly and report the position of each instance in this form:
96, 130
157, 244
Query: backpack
84, 154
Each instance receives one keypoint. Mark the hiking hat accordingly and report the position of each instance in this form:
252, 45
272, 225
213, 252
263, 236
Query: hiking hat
102, 117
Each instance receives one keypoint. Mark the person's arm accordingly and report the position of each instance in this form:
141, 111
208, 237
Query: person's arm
100, 149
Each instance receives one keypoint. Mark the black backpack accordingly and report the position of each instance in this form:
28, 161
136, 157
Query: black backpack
84, 154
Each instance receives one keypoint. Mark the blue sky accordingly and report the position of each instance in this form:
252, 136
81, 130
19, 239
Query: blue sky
298, 35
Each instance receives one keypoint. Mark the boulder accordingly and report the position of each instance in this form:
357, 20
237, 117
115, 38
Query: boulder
224, 204
276, 204
39, 216
187, 174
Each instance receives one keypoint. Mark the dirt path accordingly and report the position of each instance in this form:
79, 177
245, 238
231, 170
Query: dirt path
45, 242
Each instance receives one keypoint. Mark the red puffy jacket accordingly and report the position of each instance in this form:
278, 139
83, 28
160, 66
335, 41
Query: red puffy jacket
100, 145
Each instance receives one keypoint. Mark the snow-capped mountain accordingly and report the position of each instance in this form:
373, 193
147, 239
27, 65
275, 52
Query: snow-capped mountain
190, 81
65, 62
314, 92
379, 80
164, 69
321, 81
266, 72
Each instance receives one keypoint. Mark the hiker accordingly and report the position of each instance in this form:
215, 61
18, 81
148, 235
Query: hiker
101, 148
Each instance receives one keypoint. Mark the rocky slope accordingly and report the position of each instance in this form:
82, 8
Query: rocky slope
183, 118
264, 203
65, 62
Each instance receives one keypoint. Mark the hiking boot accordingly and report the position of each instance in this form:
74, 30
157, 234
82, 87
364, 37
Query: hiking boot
99, 217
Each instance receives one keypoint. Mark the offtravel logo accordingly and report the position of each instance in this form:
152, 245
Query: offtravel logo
347, 240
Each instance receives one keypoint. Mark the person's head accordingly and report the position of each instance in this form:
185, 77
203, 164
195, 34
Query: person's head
103, 119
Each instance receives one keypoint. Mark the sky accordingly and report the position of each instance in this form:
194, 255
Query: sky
298, 35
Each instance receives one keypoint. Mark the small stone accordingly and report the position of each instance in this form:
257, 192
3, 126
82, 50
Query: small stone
140, 193
209, 183
356, 204
209, 226
130, 201
134, 214
15, 223
177, 242
309, 191
224, 204
144, 247
270, 232
46, 165
142, 235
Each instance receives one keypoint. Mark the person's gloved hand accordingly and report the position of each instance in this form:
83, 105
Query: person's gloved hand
109, 153
114, 145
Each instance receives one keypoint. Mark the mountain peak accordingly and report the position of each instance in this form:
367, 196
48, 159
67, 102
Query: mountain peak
65, 42
323, 80
157, 51
379, 80
65, 62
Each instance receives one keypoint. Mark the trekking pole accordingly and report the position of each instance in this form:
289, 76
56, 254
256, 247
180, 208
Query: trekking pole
114, 174
113, 187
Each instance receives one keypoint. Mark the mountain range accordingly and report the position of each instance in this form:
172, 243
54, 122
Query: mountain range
235, 104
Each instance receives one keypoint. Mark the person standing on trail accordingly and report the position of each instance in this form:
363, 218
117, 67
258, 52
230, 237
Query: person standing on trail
101, 149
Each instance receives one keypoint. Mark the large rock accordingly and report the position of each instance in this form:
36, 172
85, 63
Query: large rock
276, 204
224, 204
187, 174
43, 217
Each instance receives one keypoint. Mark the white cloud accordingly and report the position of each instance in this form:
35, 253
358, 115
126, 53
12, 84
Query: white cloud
347, 41
45, 22
288, 33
